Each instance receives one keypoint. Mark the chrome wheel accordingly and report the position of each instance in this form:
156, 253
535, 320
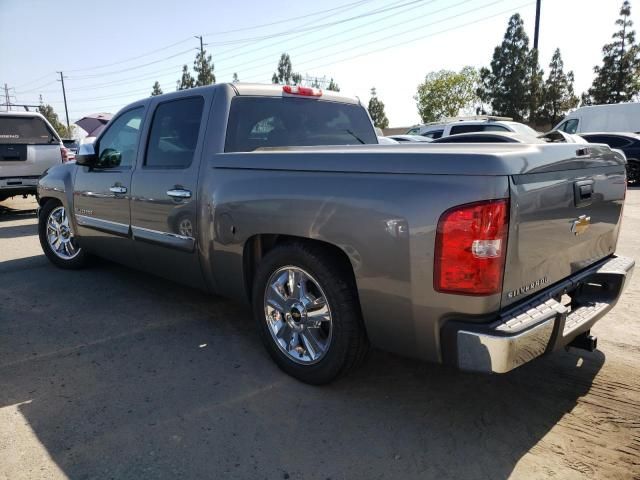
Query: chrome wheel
59, 235
185, 227
298, 315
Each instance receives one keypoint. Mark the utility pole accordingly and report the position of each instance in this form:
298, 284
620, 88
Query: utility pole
64, 96
6, 97
537, 30
199, 37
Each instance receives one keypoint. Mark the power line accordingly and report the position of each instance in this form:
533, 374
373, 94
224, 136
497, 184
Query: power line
341, 43
424, 36
252, 27
253, 49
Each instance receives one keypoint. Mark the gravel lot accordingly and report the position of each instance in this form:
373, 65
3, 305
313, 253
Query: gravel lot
110, 373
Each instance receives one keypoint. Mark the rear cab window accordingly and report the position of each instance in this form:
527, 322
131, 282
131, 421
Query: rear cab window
259, 122
26, 131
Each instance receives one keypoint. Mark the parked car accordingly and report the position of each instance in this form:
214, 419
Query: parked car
454, 126
619, 117
629, 143
386, 141
510, 137
409, 138
28, 146
71, 144
430, 251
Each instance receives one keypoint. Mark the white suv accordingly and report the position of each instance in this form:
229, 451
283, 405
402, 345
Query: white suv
28, 146
454, 126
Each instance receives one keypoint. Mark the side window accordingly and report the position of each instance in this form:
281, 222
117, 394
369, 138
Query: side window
455, 129
119, 144
174, 133
570, 126
433, 134
495, 128
413, 131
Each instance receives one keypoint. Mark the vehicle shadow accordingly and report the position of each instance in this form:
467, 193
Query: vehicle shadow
8, 213
121, 375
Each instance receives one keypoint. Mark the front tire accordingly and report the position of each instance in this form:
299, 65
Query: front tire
308, 313
57, 238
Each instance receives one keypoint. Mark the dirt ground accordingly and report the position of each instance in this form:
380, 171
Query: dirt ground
111, 373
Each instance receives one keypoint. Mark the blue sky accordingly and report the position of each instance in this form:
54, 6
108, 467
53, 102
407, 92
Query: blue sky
113, 51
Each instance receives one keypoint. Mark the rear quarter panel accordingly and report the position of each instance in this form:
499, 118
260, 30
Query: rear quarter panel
384, 223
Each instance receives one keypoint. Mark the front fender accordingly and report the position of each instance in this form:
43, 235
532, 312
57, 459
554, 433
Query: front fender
57, 183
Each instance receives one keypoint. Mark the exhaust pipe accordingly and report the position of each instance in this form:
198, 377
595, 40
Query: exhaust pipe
585, 341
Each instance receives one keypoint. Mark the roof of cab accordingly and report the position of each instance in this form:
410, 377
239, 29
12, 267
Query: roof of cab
275, 90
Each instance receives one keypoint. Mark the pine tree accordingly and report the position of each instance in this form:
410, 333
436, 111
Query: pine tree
333, 86
558, 91
618, 78
507, 85
235, 78
376, 110
536, 87
284, 74
187, 81
156, 89
203, 68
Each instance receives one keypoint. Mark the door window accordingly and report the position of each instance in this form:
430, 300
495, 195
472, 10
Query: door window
570, 126
174, 133
119, 143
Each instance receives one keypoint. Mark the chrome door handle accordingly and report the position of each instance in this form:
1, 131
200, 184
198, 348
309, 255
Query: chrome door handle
118, 189
179, 193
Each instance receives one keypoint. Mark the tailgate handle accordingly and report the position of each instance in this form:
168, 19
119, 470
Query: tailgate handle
583, 193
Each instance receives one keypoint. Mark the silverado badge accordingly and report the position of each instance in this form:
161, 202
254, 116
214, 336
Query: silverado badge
580, 225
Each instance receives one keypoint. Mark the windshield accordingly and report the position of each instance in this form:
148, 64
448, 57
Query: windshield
256, 122
24, 130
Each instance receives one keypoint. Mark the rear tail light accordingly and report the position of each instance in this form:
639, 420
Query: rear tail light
471, 245
304, 91
64, 154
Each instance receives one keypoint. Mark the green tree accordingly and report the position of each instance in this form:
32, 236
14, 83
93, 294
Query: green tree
507, 84
536, 87
235, 78
49, 113
333, 86
559, 97
618, 78
203, 69
445, 93
156, 89
284, 74
376, 110
186, 81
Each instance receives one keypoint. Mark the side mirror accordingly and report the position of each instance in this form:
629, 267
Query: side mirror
87, 155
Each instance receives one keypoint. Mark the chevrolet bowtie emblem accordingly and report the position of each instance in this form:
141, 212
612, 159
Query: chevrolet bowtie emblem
580, 225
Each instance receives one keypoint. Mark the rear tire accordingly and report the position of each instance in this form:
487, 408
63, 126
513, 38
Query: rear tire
57, 238
308, 314
633, 171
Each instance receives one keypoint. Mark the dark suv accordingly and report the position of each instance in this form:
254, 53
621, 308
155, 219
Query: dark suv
629, 143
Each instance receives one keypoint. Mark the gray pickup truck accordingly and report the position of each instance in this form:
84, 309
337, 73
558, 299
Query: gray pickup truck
479, 256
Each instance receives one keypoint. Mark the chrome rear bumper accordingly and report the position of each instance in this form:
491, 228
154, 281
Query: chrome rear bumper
544, 323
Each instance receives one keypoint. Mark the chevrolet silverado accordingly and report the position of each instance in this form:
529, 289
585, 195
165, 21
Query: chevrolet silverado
475, 255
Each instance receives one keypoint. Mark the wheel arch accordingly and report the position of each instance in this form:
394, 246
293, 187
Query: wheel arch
257, 246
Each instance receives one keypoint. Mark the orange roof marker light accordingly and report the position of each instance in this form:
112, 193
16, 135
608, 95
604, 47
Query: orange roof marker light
304, 91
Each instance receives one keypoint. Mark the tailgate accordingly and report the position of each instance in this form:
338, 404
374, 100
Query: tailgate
562, 220
27, 160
